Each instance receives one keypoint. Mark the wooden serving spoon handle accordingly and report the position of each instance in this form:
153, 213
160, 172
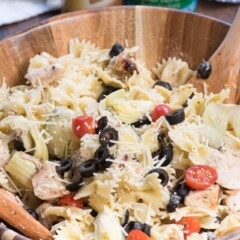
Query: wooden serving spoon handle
225, 64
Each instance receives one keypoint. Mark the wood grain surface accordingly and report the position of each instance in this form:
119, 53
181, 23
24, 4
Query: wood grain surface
225, 64
160, 33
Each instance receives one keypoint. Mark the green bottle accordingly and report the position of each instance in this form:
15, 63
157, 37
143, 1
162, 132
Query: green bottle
186, 5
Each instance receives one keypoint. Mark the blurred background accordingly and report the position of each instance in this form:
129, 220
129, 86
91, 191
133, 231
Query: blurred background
16, 15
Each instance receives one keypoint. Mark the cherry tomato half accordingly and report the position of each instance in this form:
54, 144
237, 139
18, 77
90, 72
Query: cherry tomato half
137, 235
68, 200
191, 225
200, 177
82, 125
159, 111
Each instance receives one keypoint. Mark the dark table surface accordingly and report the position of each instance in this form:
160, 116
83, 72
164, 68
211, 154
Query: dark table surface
224, 12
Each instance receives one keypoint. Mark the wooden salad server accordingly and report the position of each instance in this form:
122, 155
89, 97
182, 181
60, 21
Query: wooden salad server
225, 64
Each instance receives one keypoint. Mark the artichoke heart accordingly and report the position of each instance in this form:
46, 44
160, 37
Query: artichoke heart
215, 117
234, 116
131, 111
107, 226
61, 132
127, 110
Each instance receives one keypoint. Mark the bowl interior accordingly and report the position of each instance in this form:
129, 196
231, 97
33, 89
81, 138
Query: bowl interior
160, 33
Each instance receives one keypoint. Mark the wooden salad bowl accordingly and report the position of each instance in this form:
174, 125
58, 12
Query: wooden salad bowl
159, 33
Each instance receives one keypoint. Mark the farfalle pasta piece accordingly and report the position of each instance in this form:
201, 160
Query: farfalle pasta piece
181, 94
229, 224
166, 232
138, 93
149, 138
107, 226
110, 80
174, 71
143, 80
73, 230
128, 140
152, 192
80, 48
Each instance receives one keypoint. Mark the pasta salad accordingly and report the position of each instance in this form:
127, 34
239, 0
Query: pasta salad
96, 146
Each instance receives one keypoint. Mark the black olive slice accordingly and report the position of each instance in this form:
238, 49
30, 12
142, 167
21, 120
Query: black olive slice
185, 104
126, 218
116, 49
164, 84
175, 116
93, 213
161, 137
165, 151
141, 122
101, 154
146, 229
173, 202
18, 145
181, 190
33, 213
133, 225
100, 157
107, 135
87, 168
204, 70
162, 174
64, 167
73, 187
102, 123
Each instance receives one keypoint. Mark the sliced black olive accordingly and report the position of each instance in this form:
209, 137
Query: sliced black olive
73, 187
146, 229
106, 91
162, 174
116, 49
185, 104
106, 164
18, 145
126, 218
101, 154
107, 135
102, 123
87, 168
175, 117
133, 225
65, 166
161, 137
33, 213
173, 202
164, 84
93, 213
204, 70
165, 151
181, 190
100, 157
141, 122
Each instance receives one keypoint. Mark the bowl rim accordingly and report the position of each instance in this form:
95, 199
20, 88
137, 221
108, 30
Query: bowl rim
69, 15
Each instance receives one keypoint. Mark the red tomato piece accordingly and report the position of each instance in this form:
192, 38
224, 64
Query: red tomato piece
159, 111
137, 235
191, 225
82, 125
200, 177
68, 200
